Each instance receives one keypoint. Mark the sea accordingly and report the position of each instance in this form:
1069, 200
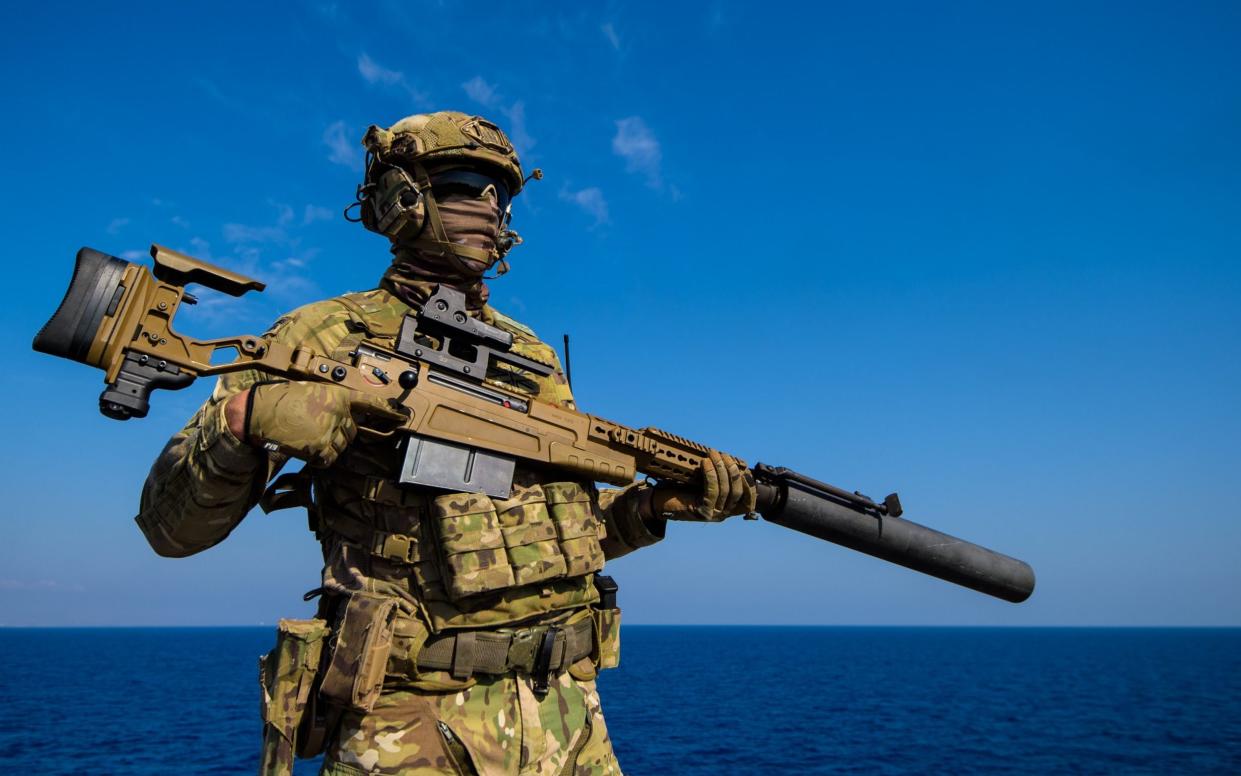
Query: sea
693, 700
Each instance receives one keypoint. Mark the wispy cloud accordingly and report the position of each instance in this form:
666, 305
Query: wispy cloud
314, 213
609, 32
517, 132
284, 213
134, 255
340, 149
636, 144
179, 221
272, 253
240, 234
377, 75
590, 200
480, 91
117, 224
200, 248
275, 250
488, 95
45, 585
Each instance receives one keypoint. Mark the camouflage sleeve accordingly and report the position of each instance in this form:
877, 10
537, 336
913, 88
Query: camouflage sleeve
560, 385
627, 530
206, 480
203, 482
553, 388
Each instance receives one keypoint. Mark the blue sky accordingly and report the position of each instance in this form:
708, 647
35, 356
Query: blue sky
984, 255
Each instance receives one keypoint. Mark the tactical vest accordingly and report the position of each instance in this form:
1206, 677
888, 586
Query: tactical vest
463, 560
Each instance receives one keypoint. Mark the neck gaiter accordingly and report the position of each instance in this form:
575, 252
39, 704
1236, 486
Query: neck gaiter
418, 268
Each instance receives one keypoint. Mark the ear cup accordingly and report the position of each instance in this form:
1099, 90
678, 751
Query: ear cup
366, 214
395, 206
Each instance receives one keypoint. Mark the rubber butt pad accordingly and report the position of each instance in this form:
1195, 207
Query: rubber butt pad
93, 293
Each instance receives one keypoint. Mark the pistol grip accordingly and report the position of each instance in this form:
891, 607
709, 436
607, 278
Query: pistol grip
129, 397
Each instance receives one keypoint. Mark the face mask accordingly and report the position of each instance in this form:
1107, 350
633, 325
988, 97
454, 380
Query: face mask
473, 220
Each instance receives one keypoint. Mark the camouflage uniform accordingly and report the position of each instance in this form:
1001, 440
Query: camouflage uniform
450, 564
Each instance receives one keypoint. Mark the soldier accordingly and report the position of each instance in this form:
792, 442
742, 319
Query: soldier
460, 633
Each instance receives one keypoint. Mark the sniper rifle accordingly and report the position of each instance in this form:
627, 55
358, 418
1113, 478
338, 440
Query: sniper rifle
465, 428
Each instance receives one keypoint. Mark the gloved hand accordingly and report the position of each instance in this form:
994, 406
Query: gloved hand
311, 421
727, 489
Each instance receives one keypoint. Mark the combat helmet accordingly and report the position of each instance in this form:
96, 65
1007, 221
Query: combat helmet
405, 163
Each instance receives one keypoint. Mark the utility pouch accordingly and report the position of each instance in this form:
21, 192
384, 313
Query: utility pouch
577, 529
361, 643
607, 617
287, 677
471, 544
607, 638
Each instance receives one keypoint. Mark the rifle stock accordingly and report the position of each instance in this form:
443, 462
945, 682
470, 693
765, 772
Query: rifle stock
117, 316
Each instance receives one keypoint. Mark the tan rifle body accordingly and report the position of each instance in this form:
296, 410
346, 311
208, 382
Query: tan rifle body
117, 316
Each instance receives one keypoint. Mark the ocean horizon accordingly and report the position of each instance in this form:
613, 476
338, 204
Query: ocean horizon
695, 699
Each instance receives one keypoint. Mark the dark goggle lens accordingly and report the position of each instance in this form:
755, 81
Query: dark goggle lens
473, 182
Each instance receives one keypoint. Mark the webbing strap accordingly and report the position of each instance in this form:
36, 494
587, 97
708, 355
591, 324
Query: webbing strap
463, 655
398, 548
390, 493
287, 491
438, 241
378, 489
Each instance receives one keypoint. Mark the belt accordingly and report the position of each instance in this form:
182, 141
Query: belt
539, 650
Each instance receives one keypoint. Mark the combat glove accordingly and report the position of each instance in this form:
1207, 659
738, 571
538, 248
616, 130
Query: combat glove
311, 421
727, 489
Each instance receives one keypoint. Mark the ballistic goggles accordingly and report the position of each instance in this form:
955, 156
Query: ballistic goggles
472, 183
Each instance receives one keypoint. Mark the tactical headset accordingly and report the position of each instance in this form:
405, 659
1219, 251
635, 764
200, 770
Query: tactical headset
399, 202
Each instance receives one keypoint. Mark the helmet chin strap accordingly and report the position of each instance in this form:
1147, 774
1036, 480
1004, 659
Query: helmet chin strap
438, 241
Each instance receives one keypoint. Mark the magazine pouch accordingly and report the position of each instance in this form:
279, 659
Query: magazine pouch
578, 531
287, 677
529, 533
474, 559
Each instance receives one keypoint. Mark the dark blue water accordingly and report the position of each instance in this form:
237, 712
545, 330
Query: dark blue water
693, 700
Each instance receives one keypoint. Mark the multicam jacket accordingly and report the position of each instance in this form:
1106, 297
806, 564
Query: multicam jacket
454, 560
